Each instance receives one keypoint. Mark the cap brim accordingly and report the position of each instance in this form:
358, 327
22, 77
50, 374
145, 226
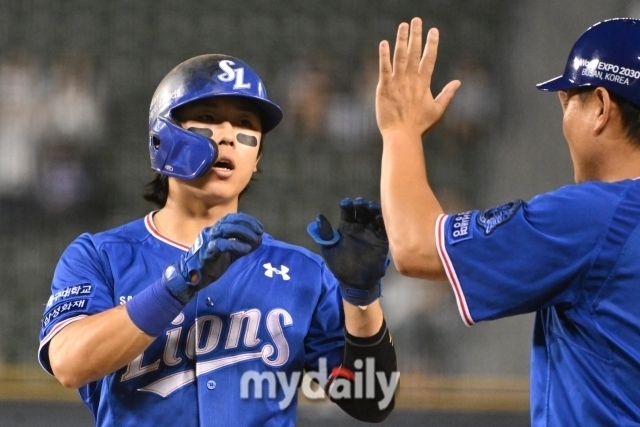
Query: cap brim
270, 111
272, 114
556, 84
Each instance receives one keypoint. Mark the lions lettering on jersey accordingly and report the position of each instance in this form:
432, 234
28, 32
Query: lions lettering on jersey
203, 338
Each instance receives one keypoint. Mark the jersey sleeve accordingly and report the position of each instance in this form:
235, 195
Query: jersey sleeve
80, 287
325, 338
524, 256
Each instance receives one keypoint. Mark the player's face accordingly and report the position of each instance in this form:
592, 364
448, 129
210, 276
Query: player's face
577, 127
236, 127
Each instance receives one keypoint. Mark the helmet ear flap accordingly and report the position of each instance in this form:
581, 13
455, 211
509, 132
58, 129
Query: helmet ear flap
178, 152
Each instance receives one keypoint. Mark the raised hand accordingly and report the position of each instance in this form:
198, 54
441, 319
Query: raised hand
404, 101
215, 248
356, 254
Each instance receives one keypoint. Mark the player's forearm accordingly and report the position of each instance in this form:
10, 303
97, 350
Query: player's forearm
363, 323
409, 206
95, 346
378, 354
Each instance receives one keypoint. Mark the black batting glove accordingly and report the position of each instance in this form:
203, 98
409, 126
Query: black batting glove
357, 253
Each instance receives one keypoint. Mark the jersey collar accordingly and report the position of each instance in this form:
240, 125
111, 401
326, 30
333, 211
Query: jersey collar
153, 230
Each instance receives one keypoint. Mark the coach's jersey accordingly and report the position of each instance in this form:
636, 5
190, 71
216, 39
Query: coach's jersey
572, 256
233, 353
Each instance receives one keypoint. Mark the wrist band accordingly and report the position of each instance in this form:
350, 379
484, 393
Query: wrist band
153, 309
360, 297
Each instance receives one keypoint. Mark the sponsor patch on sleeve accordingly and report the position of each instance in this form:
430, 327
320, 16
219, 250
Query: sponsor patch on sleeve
64, 308
76, 291
459, 227
490, 219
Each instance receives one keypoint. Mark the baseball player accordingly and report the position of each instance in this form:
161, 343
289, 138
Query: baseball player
571, 255
192, 315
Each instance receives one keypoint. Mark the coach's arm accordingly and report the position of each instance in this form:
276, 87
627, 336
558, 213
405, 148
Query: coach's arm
405, 111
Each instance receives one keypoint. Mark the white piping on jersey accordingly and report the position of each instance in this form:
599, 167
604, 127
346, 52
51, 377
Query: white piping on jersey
167, 385
212, 365
153, 230
451, 272
57, 328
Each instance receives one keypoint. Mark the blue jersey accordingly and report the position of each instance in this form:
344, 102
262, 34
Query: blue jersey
573, 257
275, 311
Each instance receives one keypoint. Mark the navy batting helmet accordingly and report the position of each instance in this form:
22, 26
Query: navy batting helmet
607, 54
183, 153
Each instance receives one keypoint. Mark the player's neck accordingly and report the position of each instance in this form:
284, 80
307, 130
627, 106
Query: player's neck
613, 166
183, 223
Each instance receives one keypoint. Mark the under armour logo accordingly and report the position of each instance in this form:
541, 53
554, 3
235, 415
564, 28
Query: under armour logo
282, 271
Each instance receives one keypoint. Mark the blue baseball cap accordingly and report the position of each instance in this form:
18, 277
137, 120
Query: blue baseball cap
606, 55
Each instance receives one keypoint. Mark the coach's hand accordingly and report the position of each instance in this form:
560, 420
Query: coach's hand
357, 254
404, 101
214, 250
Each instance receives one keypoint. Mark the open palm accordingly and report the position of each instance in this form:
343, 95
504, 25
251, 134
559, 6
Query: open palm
404, 101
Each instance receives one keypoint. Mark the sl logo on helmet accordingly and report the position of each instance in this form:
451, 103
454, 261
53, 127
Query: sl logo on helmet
230, 74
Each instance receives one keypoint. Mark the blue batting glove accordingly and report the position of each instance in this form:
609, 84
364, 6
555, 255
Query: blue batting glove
215, 248
357, 253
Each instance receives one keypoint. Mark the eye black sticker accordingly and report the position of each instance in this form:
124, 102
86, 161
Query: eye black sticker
249, 140
202, 131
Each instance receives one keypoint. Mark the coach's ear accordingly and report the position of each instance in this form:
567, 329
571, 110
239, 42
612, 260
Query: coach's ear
603, 109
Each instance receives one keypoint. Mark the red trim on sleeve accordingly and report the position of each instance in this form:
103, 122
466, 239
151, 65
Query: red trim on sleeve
451, 272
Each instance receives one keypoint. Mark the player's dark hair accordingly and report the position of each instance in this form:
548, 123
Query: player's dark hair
630, 113
156, 191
